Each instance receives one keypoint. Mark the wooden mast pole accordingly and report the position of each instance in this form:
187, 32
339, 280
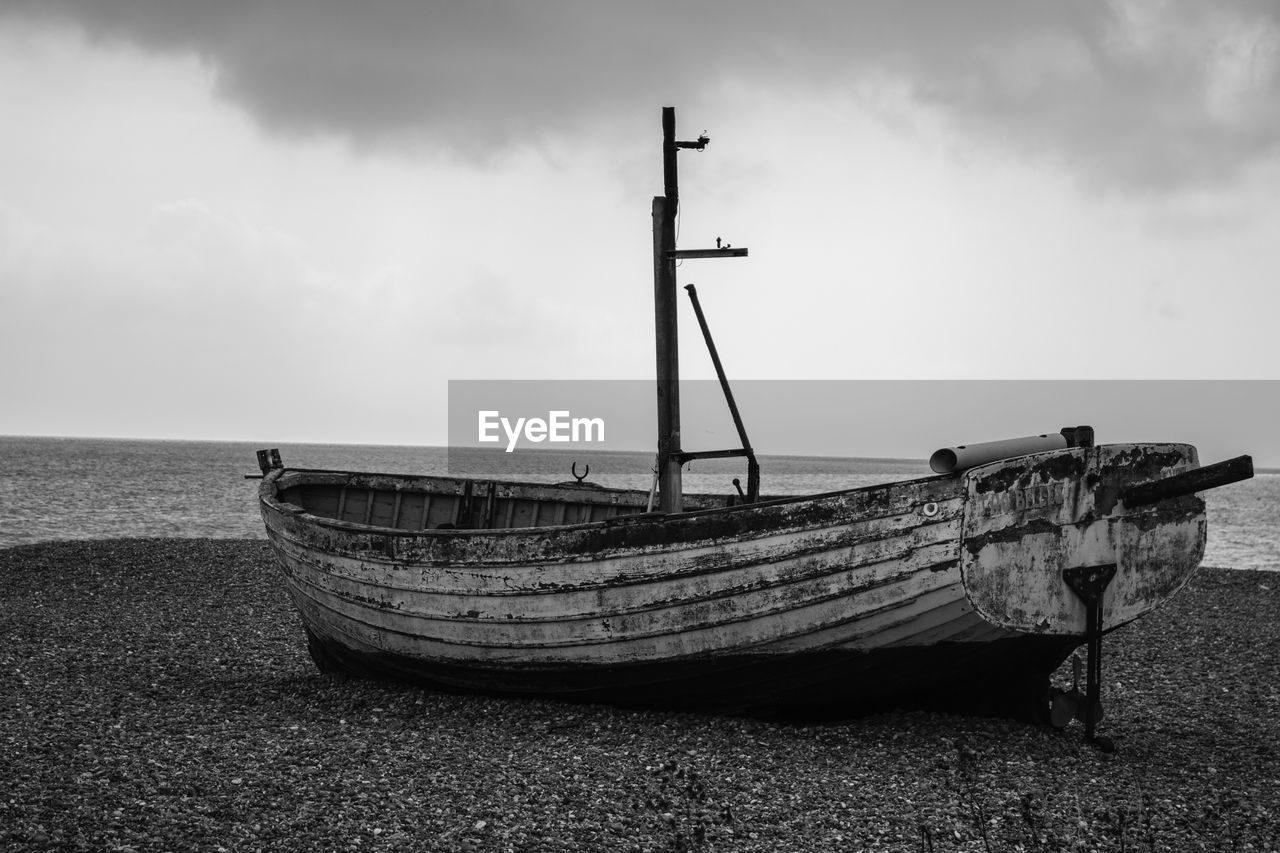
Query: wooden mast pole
665, 208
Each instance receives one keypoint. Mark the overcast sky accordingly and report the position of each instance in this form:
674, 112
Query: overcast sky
295, 221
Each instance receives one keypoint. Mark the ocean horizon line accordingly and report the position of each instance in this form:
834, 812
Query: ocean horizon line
787, 454
440, 447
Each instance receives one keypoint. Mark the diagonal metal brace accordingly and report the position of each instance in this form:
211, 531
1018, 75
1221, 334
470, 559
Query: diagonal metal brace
1089, 583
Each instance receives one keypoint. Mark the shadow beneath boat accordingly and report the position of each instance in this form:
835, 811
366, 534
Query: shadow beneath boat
1007, 678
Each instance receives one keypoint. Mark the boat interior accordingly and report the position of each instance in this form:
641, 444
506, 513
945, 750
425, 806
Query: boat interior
446, 503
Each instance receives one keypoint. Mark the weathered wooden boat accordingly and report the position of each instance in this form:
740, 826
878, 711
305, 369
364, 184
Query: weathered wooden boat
964, 590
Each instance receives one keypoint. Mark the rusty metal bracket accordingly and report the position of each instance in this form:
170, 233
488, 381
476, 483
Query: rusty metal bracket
1089, 583
268, 461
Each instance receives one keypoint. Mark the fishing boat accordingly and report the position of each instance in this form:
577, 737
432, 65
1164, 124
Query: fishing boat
966, 589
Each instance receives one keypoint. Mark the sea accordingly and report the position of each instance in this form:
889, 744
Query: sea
97, 488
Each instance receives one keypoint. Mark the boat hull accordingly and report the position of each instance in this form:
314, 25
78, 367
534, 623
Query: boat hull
834, 603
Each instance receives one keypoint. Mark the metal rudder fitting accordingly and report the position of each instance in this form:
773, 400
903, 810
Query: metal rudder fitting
1089, 583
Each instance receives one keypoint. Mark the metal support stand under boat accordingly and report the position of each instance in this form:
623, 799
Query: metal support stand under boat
665, 255
1089, 583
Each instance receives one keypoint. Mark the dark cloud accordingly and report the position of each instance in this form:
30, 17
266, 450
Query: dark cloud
1154, 95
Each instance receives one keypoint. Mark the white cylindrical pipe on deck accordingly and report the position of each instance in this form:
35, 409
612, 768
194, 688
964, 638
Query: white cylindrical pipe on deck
948, 460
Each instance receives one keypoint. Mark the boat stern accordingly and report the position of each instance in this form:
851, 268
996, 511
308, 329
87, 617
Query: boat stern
1035, 525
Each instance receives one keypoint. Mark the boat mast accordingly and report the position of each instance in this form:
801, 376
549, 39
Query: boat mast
671, 457
665, 207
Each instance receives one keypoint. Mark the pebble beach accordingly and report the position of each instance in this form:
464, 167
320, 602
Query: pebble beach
158, 696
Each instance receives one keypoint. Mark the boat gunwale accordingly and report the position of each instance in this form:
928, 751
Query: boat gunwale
953, 514
268, 495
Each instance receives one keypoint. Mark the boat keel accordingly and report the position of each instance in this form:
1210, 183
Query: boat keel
1007, 678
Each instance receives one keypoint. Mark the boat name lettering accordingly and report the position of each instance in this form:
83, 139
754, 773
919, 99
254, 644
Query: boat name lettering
559, 426
1048, 494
